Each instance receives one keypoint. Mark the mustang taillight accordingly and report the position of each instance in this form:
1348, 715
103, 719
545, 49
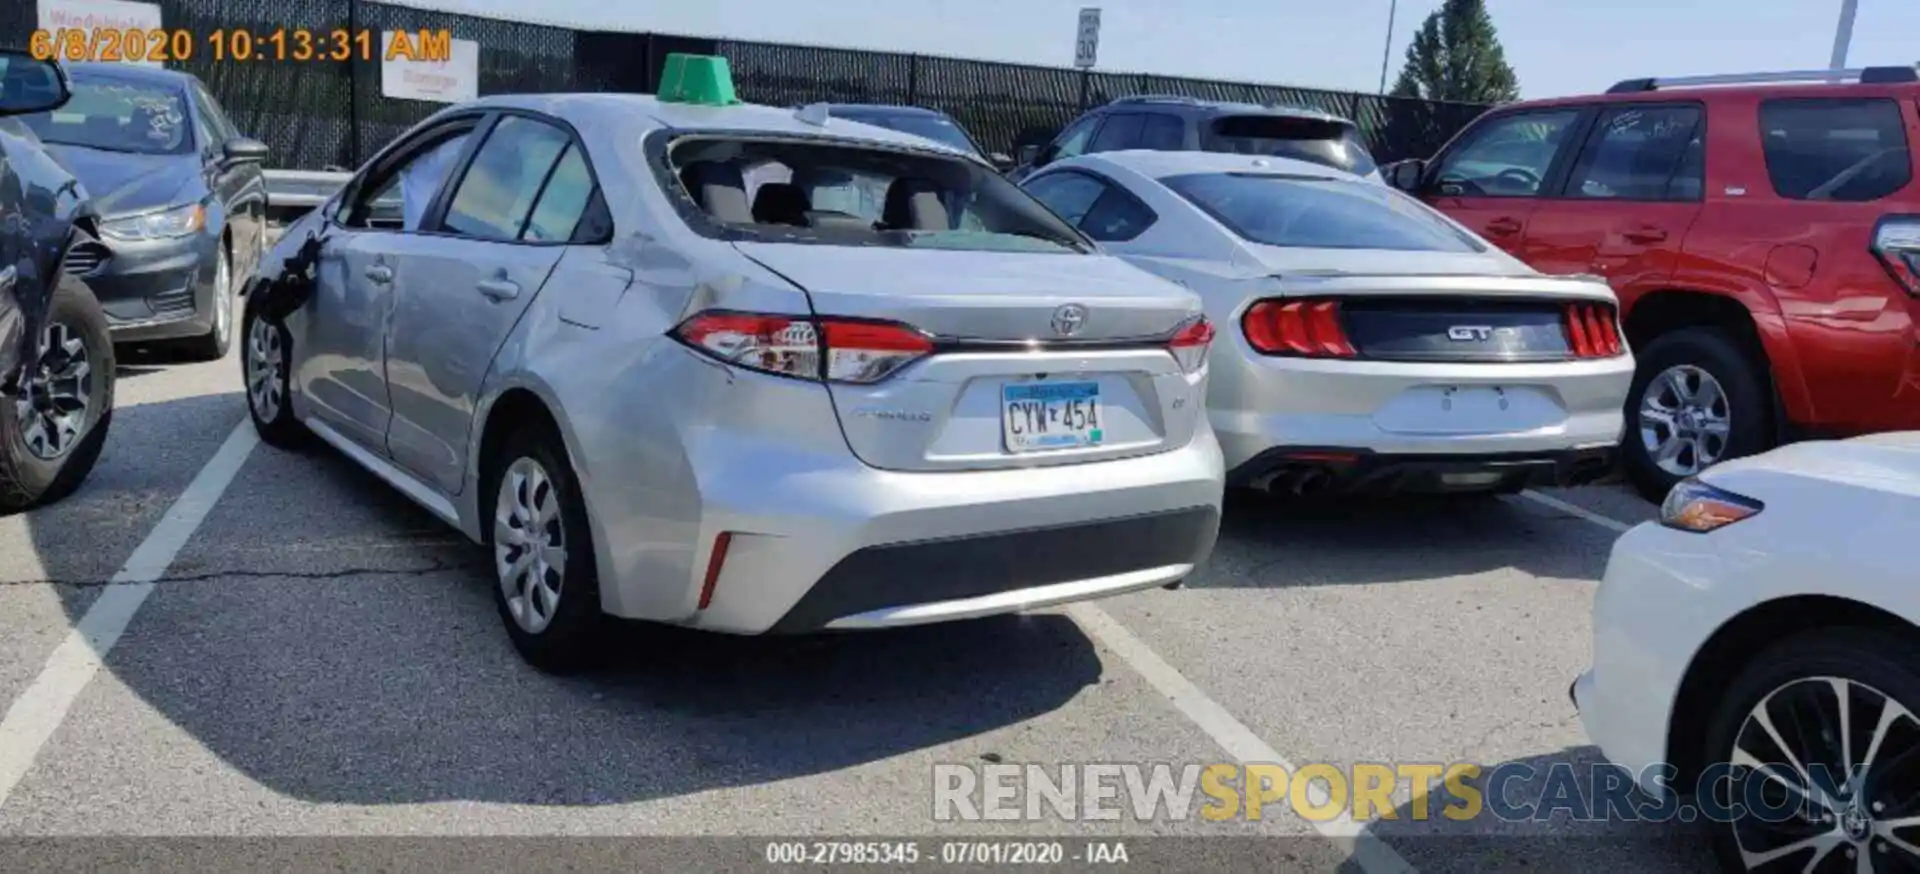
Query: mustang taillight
1592, 329
1190, 344
1306, 328
834, 350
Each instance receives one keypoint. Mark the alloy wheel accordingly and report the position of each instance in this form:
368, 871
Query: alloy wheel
266, 372
57, 392
1842, 759
529, 544
1685, 422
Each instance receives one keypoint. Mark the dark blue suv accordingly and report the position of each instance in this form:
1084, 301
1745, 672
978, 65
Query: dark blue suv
1186, 124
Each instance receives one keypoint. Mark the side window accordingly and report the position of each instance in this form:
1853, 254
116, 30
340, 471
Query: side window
1162, 132
1070, 195
1073, 141
215, 113
1847, 150
495, 198
1116, 217
1507, 156
563, 202
1122, 131
397, 197
1638, 153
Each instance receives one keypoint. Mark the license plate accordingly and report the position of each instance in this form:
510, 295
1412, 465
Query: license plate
1050, 415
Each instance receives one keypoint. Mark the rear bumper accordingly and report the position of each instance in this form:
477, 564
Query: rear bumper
963, 577
1324, 470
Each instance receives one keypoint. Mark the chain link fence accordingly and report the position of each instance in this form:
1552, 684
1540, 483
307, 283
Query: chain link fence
323, 113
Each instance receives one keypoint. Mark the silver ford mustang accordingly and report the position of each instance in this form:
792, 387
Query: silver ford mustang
739, 368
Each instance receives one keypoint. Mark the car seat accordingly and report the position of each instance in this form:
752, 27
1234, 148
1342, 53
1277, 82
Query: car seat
719, 189
914, 204
781, 203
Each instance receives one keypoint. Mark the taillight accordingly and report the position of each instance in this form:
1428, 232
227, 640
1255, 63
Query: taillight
836, 350
1896, 242
1309, 328
1592, 330
1190, 344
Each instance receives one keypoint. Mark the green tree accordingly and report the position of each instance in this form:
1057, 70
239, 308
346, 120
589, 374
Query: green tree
1457, 56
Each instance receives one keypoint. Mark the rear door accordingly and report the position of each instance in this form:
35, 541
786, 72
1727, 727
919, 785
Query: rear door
460, 289
1492, 178
1630, 196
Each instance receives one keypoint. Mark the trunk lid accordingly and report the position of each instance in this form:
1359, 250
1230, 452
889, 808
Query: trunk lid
1003, 388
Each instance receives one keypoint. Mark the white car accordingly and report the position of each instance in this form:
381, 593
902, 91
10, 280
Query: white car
1367, 342
1760, 644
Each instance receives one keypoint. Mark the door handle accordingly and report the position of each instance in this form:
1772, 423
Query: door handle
1645, 235
381, 274
1504, 226
499, 288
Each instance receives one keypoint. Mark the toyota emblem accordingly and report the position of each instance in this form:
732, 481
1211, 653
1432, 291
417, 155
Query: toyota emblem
1069, 320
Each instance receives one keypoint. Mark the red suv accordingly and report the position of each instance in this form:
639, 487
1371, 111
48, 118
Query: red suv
1762, 232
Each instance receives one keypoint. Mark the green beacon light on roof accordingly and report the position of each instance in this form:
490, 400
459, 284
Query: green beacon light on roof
704, 80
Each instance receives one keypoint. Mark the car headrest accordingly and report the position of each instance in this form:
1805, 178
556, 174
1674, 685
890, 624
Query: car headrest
780, 203
914, 204
719, 189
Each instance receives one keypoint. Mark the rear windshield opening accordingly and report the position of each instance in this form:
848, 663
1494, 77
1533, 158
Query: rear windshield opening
1328, 143
842, 193
1316, 213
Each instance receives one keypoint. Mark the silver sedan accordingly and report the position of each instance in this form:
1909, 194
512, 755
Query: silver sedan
739, 368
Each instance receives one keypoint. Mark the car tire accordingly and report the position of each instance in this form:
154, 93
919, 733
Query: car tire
1693, 356
266, 369
218, 340
34, 472
1796, 676
554, 621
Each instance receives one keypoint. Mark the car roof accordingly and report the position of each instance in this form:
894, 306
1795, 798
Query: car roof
130, 73
888, 108
1705, 93
1220, 107
645, 112
1160, 165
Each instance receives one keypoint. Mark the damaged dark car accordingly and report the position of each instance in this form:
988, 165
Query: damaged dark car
56, 357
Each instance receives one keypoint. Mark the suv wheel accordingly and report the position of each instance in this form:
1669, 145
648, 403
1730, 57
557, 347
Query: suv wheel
1697, 399
53, 426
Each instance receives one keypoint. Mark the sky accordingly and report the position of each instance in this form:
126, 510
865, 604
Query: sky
1557, 47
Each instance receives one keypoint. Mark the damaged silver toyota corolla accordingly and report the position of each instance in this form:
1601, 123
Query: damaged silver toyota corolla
740, 368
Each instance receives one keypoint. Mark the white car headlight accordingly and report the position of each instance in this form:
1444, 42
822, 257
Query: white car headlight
1697, 507
178, 221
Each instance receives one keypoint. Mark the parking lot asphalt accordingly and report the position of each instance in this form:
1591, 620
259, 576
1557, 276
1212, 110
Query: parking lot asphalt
321, 658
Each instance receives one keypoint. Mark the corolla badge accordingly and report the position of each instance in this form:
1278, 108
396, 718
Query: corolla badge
1069, 320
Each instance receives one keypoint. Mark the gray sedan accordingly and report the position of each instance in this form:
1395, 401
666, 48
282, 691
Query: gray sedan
181, 198
570, 326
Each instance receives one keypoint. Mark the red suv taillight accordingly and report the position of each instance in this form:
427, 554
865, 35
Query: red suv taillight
834, 350
1306, 328
1592, 330
1896, 242
1190, 344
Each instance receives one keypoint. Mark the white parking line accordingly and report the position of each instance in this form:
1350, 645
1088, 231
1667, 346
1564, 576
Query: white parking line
1239, 741
38, 712
1607, 522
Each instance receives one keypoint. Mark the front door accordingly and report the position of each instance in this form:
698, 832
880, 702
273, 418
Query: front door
463, 287
1492, 180
340, 333
1628, 200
